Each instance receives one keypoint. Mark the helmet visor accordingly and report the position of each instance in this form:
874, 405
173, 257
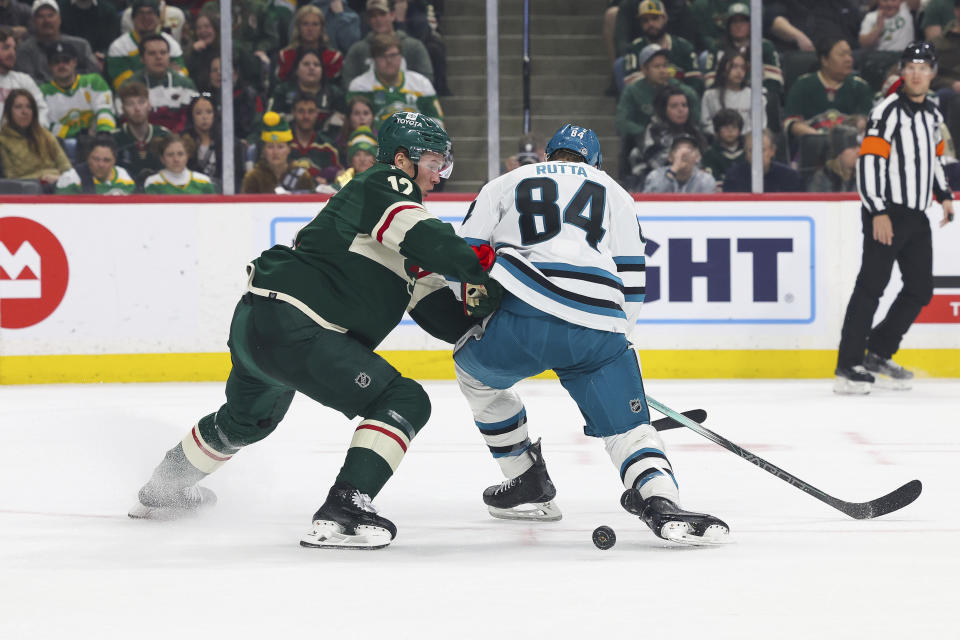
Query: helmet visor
434, 162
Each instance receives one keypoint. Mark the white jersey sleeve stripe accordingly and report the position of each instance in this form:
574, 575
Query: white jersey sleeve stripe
396, 221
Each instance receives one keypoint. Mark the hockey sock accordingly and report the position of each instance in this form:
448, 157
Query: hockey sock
382, 438
639, 455
502, 420
205, 447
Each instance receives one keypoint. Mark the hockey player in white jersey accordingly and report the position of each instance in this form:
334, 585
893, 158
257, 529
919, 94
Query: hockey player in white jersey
569, 254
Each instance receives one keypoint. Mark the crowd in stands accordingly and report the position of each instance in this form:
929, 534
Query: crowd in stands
121, 96
680, 70
124, 96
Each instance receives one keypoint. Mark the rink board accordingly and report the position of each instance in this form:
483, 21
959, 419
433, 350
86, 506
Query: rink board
142, 289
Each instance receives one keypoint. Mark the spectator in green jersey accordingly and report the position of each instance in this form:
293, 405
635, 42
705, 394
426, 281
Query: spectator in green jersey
361, 155
828, 97
391, 89
99, 175
310, 148
680, 52
77, 105
136, 137
936, 16
175, 178
727, 147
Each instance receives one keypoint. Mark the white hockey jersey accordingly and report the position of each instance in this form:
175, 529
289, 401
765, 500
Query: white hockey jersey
567, 240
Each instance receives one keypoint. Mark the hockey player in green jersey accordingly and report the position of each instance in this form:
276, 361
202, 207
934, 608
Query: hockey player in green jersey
311, 317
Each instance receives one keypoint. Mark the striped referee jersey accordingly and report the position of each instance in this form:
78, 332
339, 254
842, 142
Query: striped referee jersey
900, 155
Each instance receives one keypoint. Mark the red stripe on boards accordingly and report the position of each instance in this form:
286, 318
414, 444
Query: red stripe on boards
390, 218
384, 432
210, 453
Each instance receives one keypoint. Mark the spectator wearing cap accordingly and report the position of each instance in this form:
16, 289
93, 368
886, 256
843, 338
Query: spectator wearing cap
10, 79
635, 108
309, 148
176, 178
727, 147
33, 52
682, 173
99, 175
78, 104
840, 171
628, 27
96, 21
381, 16
136, 138
273, 172
680, 53
833, 95
172, 20
777, 177
123, 56
736, 37
27, 150
308, 35
361, 155
170, 92
15, 16
390, 89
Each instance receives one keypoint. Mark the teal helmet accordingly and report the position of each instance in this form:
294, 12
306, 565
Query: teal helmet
417, 134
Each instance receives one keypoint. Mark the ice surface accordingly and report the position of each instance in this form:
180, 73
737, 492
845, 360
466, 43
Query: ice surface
72, 565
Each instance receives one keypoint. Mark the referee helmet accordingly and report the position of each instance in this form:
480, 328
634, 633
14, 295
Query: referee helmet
919, 51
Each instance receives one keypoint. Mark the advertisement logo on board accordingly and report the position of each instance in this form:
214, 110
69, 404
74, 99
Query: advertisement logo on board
33, 273
729, 269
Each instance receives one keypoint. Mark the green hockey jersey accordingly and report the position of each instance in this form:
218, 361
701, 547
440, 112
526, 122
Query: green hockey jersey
85, 105
372, 253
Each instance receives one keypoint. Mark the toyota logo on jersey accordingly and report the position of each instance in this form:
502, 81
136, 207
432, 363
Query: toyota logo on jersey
33, 273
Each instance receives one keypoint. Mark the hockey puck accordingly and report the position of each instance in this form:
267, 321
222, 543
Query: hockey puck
604, 537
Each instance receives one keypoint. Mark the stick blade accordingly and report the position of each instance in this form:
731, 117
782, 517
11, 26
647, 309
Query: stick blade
897, 499
665, 424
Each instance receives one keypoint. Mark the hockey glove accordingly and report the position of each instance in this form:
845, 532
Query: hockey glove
485, 254
480, 300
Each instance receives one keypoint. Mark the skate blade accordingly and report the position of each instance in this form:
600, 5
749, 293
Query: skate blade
330, 535
682, 533
846, 387
884, 382
541, 511
140, 511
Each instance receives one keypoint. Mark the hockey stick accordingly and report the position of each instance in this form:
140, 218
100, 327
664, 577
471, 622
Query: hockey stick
665, 424
860, 510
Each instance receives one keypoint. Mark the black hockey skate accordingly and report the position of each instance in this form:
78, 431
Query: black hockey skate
888, 373
347, 520
852, 380
529, 496
670, 522
156, 502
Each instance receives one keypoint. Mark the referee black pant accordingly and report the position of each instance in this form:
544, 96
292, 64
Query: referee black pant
913, 252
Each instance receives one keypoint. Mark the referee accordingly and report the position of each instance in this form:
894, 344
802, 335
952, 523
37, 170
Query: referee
899, 171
